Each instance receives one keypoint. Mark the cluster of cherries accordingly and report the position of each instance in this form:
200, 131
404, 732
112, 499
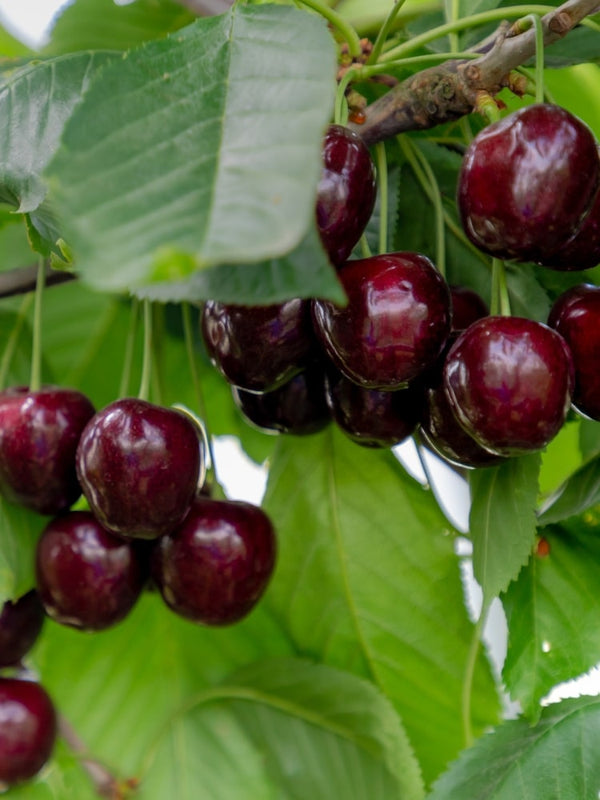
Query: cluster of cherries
408, 352
141, 469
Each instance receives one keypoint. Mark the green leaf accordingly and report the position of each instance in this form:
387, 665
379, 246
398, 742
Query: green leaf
206, 143
255, 730
37, 100
581, 46
304, 272
552, 610
502, 521
19, 532
578, 493
98, 25
555, 760
120, 688
368, 581
11, 47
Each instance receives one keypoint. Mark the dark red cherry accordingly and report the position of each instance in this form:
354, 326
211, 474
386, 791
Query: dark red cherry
20, 625
87, 578
39, 432
215, 567
576, 317
298, 407
509, 381
373, 417
583, 250
467, 307
259, 348
139, 466
346, 193
395, 324
27, 730
440, 429
527, 183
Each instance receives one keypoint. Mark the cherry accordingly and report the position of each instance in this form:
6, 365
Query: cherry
509, 381
139, 466
87, 578
27, 730
20, 625
576, 317
373, 417
527, 182
215, 567
298, 407
346, 192
467, 306
259, 348
441, 431
582, 251
39, 432
395, 324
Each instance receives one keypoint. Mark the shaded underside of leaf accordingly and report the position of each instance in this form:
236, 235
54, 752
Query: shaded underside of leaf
557, 759
578, 493
552, 612
207, 143
369, 581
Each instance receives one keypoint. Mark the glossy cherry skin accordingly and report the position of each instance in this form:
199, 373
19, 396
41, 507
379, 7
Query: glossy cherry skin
576, 317
27, 730
139, 466
583, 250
20, 625
39, 432
373, 417
215, 567
395, 324
467, 307
259, 348
346, 192
509, 382
298, 407
87, 578
441, 431
527, 182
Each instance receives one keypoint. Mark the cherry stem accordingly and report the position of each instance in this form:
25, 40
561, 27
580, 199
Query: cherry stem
36, 352
523, 25
382, 181
500, 298
426, 178
144, 392
105, 783
472, 21
13, 339
384, 32
345, 29
129, 348
197, 384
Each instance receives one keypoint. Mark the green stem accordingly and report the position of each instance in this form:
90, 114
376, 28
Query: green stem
365, 250
36, 354
340, 113
500, 299
129, 349
382, 181
13, 339
144, 392
345, 29
493, 15
469, 674
196, 383
426, 177
384, 32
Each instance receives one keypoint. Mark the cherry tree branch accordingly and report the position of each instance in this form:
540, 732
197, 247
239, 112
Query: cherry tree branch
449, 91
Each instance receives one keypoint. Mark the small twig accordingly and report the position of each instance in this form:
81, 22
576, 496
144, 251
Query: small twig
105, 783
206, 8
23, 280
447, 92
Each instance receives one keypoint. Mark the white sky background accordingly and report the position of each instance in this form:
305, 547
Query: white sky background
240, 477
